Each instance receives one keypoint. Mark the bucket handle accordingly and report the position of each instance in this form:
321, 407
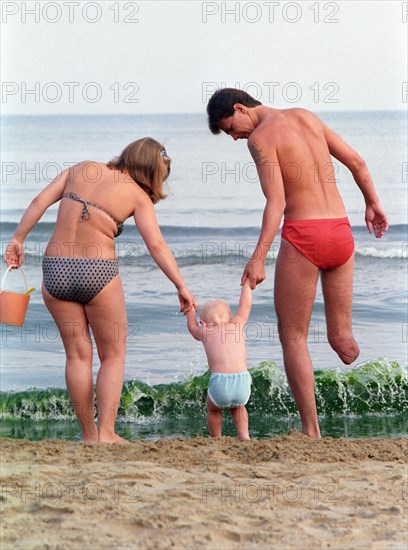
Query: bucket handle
7, 272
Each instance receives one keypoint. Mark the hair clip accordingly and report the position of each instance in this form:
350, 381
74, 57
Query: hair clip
164, 153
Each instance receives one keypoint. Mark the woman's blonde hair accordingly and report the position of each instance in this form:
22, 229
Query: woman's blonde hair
148, 165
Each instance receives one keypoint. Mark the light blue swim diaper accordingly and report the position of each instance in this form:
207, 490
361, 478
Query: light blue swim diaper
229, 390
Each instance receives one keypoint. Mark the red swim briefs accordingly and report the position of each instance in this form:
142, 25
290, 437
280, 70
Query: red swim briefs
328, 242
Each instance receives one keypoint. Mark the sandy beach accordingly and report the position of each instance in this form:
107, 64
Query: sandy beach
286, 492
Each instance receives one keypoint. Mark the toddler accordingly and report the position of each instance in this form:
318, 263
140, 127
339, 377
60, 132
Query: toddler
230, 383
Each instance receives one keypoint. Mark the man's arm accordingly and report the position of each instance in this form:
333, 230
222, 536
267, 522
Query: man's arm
375, 217
270, 176
194, 328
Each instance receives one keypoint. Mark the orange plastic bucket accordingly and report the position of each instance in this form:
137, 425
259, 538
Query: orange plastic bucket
13, 306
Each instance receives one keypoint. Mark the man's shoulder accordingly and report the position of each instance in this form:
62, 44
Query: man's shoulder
302, 116
288, 116
268, 128
281, 120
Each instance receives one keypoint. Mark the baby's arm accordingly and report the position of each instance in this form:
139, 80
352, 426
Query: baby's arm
245, 303
195, 330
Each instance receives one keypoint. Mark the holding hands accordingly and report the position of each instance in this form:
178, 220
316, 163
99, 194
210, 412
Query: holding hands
254, 273
187, 300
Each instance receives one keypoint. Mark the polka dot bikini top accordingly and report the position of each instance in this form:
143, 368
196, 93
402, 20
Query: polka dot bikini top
86, 214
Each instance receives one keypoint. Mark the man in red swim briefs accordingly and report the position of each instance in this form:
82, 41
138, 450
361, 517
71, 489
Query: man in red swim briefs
292, 151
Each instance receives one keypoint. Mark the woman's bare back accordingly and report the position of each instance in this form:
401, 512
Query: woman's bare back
92, 236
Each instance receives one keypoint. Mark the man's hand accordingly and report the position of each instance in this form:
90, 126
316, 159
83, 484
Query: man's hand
254, 273
376, 219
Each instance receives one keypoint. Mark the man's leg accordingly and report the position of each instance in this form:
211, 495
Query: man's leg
338, 292
295, 289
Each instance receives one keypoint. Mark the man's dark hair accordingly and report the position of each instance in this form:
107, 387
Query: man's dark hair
221, 105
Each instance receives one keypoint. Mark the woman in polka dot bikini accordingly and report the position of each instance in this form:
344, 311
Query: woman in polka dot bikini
81, 285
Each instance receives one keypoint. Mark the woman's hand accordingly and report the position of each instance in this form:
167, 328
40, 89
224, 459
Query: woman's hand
14, 255
187, 300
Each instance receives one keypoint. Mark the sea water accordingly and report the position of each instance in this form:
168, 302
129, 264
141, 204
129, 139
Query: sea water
211, 220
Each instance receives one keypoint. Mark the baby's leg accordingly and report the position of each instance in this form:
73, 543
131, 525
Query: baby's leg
240, 418
214, 419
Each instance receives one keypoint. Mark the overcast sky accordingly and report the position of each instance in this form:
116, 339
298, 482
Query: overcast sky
168, 57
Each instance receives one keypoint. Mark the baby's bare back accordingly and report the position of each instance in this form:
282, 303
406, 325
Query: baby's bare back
224, 346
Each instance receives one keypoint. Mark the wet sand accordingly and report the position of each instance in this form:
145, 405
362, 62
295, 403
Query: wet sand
287, 492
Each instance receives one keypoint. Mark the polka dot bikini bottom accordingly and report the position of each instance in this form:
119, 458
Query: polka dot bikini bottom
77, 279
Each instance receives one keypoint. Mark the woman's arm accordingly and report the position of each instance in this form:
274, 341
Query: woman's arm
148, 227
51, 194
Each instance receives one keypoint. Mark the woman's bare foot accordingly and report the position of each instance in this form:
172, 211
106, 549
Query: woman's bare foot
312, 434
90, 440
114, 438
90, 436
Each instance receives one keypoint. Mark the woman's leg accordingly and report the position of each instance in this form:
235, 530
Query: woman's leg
72, 324
106, 314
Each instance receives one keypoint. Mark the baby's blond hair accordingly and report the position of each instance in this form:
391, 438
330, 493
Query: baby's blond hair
216, 312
